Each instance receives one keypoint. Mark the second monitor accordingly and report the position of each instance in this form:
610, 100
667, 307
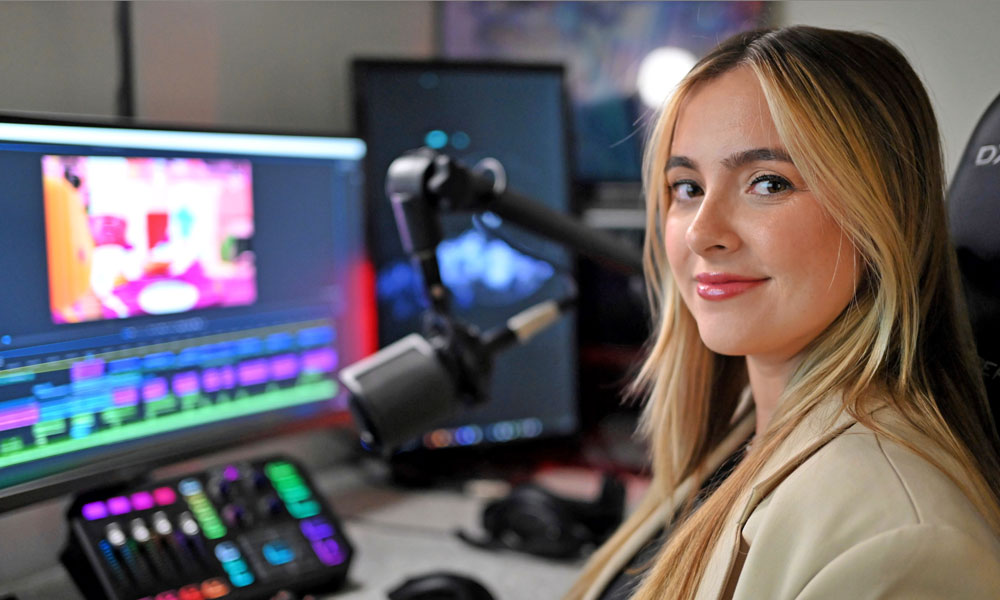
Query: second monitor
516, 114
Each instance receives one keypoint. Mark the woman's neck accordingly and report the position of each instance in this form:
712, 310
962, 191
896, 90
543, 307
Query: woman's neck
768, 379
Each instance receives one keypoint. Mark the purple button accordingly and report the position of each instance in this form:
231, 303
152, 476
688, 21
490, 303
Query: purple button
231, 473
328, 551
316, 528
142, 500
119, 505
94, 511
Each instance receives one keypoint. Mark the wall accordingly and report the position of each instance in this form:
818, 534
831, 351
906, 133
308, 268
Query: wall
265, 65
58, 57
952, 46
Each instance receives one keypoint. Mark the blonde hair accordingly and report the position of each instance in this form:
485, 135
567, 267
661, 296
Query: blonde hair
860, 128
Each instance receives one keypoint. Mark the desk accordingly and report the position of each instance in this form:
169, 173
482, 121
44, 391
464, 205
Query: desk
396, 534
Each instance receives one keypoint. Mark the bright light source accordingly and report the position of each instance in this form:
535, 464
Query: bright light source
660, 71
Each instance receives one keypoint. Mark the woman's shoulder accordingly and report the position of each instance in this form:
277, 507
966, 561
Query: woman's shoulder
864, 510
868, 481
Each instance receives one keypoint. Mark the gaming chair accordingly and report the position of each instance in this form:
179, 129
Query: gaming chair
974, 212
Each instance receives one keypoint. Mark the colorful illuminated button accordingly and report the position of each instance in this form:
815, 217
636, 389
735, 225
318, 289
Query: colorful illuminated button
142, 500
167, 595
189, 487
292, 490
227, 552
328, 551
214, 588
277, 552
164, 496
203, 510
119, 505
316, 528
302, 510
190, 592
231, 473
94, 510
239, 573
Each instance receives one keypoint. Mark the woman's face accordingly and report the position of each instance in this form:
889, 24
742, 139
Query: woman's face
760, 264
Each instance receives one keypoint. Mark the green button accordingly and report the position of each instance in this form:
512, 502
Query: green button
287, 480
302, 510
279, 470
295, 494
213, 531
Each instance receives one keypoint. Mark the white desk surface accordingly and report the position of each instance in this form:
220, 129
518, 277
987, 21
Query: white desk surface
396, 534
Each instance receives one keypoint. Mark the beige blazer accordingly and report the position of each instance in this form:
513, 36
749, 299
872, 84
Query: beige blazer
839, 512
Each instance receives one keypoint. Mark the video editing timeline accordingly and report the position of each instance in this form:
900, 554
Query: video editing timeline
71, 404
240, 530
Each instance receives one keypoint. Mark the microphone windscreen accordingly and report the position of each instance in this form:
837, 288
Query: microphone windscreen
399, 392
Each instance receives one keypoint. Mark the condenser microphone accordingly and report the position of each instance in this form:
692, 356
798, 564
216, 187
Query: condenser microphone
397, 390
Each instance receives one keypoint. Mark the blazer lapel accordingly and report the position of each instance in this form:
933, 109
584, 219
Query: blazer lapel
742, 428
825, 422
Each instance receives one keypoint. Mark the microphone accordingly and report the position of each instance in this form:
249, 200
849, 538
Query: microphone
404, 389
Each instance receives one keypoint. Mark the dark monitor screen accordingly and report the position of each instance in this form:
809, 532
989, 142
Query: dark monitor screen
517, 115
167, 292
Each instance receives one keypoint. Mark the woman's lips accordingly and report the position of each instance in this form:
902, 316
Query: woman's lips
722, 286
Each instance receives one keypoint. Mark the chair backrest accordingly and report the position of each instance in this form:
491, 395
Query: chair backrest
974, 211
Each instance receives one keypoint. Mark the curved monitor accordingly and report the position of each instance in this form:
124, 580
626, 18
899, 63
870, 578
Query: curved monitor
169, 291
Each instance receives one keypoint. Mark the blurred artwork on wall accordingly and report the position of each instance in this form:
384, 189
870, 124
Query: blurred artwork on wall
622, 59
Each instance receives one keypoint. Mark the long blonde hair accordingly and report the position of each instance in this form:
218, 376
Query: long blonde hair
860, 128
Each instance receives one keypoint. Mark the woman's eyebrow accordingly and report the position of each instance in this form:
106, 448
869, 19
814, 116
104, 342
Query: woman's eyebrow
739, 159
735, 160
680, 161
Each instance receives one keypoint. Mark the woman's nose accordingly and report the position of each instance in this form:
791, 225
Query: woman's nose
711, 230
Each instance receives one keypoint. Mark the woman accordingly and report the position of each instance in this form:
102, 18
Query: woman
812, 350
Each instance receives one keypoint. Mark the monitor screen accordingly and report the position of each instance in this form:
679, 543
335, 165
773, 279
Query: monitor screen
516, 114
170, 291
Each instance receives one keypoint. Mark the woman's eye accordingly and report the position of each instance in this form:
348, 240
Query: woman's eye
685, 190
769, 185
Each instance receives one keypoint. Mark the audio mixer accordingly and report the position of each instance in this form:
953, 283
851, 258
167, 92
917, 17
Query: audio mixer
238, 531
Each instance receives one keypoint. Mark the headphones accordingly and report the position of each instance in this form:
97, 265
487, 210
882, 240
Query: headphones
533, 520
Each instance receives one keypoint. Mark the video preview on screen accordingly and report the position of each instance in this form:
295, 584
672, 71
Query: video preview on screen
132, 236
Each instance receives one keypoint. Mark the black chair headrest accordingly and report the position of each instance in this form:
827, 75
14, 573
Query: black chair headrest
974, 212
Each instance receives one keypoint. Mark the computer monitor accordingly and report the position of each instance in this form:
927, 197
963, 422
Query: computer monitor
168, 292
516, 114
